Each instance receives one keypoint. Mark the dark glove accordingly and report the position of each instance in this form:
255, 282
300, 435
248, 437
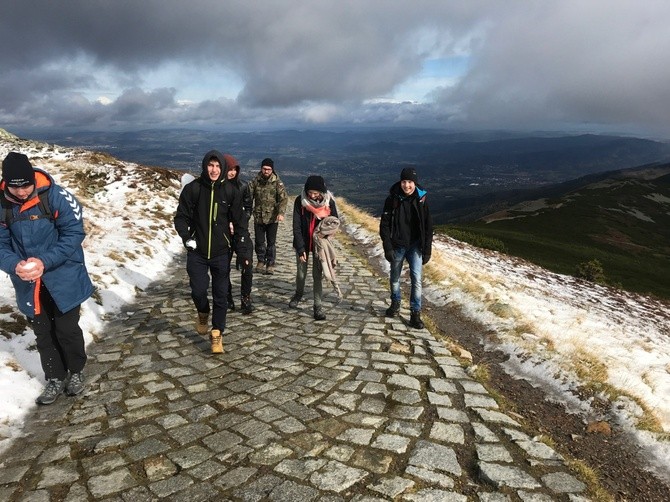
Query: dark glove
425, 258
390, 256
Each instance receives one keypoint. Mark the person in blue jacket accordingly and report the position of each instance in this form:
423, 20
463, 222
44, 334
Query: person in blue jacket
41, 235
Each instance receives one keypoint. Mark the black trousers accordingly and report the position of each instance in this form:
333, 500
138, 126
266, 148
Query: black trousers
198, 268
60, 340
247, 276
266, 253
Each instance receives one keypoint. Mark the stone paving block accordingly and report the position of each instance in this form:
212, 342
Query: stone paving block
271, 454
435, 456
189, 457
506, 475
200, 492
470, 386
493, 497
493, 453
302, 468
534, 497
336, 476
404, 428
494, 416
419, 370
433, 478
439, 399
391, 487
61, 473
52, 455
100, 464
189, 433
146, 448
144, 431
290, 491
483, 433
357, 436
406, 412
405, 381
406, 396
480, 401
540, 450
159, 467
435, 495
391, 442
170, 485
562, 482
77, 493
107, 484
258, 489
447, 433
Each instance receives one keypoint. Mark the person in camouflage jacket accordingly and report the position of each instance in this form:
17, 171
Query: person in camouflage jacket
270, 198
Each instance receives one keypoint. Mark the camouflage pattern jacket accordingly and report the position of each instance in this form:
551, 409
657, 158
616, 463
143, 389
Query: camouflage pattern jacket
269, 197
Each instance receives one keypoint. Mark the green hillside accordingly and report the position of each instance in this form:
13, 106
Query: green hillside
623, 221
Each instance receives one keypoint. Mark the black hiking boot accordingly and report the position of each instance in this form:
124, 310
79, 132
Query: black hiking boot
231, 303
247, 306
394, 309
415, 319
319, 314
295, 300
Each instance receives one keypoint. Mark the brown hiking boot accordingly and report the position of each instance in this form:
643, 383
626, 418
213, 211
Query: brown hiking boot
217, 341
260, 268
270, 270
202, 323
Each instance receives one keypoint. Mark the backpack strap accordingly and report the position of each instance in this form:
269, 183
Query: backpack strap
8, 214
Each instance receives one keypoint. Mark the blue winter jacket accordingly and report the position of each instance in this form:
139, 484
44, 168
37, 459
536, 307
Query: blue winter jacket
57, 242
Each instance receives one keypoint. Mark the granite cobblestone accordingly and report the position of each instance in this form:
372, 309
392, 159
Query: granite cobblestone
359, 407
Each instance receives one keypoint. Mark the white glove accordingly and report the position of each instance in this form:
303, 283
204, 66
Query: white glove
191, 244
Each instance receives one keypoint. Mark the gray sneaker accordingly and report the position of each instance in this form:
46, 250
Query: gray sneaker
52, 390
75, 385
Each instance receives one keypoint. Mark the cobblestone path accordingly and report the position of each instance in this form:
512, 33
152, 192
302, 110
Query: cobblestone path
358, 407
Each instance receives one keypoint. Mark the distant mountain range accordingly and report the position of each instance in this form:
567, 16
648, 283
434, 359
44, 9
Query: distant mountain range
620, 218
467, 174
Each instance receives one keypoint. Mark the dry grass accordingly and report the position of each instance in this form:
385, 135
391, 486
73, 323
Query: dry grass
589, 476
358, 216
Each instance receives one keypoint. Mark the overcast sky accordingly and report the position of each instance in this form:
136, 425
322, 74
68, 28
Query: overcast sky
589, 65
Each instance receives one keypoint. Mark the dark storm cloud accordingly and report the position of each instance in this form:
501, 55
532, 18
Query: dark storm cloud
535, 64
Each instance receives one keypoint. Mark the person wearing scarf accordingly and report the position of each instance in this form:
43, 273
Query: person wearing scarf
313, 205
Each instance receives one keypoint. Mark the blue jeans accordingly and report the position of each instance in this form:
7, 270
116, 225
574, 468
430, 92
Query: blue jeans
413, 256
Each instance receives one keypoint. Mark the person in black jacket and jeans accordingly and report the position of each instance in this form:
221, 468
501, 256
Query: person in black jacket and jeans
207, 207
406, 230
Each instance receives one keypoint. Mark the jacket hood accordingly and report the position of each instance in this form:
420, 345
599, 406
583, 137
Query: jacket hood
231, 162
213, 154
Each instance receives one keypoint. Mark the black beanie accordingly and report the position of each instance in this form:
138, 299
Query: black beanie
17, 171
268, 162
409, 173
315, 183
